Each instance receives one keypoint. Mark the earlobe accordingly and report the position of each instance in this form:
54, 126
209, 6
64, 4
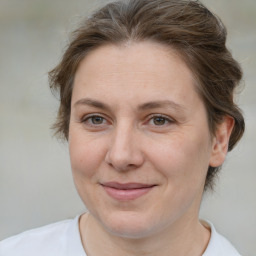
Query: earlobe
220, 141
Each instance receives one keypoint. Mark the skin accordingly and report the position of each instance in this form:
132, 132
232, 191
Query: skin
128, 142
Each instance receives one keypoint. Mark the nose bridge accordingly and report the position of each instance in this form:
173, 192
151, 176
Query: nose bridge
124, 151
122, 139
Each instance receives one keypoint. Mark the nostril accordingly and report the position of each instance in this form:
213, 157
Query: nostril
121, 164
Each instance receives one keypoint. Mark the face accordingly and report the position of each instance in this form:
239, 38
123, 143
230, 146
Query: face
139, 140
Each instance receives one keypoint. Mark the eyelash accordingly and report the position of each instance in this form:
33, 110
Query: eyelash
89, 117
167, 120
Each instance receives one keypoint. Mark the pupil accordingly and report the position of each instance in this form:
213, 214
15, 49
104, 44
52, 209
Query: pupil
97, 120
159, 121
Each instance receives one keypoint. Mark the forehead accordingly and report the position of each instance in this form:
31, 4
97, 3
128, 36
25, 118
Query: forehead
133, 69
139, 56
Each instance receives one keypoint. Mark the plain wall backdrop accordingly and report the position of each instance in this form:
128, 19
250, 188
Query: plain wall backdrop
36, 186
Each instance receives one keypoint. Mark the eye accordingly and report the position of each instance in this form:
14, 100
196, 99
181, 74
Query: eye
97, 119
94, 120
160, 120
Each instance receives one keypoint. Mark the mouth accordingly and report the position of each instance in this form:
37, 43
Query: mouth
126, 191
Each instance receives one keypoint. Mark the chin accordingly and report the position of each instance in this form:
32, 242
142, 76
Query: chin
128, 225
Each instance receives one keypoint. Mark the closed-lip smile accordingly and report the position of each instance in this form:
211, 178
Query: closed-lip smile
126, 191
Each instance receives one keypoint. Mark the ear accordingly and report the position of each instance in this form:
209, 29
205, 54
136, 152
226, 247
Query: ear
220, 141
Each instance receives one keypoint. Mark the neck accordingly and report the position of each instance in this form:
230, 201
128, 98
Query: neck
179, 239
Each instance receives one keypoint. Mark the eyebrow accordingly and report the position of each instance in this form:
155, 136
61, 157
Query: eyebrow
92, 103
162, 104
144, 106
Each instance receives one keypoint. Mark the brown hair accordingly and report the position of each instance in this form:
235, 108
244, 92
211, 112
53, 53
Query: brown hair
184, 25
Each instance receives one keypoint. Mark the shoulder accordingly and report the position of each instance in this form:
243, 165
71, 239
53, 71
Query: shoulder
219, 245
49, 240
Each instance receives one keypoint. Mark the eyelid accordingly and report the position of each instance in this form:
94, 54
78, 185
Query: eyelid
88, 116
168, 118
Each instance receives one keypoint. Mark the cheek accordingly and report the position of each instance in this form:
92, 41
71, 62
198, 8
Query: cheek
85, 155
182, 158
85, 158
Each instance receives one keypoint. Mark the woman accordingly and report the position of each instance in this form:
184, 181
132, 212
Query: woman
146, 105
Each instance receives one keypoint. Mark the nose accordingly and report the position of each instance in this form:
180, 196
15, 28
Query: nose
124, 152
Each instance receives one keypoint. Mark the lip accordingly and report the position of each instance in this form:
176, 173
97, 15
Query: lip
126, 191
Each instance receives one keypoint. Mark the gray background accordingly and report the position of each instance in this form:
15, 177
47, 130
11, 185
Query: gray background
35, 180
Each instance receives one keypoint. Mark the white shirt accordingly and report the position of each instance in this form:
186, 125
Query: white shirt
63, 239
